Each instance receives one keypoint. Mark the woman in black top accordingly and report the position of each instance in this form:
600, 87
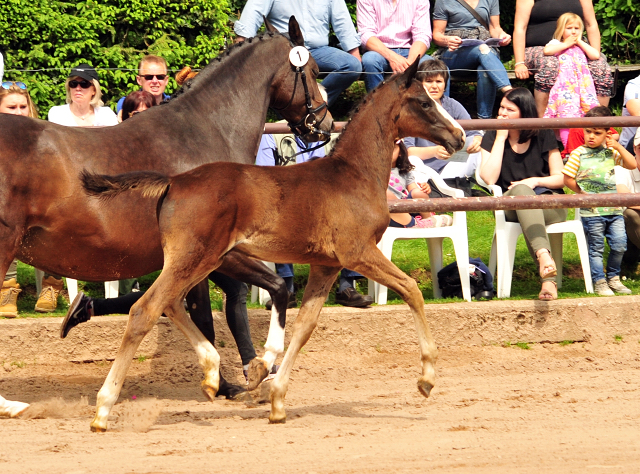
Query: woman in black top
533, 28
526, 163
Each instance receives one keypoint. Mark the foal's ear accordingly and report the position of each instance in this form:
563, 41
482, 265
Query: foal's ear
294, 32
410, 73
269, 27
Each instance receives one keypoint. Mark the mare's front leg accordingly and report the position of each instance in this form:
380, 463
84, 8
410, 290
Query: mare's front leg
142, 317
320, 280
254, 272
373, 264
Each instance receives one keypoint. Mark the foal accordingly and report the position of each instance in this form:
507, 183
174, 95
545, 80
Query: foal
254, 210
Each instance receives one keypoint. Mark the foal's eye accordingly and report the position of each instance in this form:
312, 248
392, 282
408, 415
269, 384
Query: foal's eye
425, 104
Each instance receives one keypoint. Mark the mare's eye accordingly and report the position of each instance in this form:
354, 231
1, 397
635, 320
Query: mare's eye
425, 104
315, 72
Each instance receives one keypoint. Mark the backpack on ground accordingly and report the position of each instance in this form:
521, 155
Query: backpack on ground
480, 280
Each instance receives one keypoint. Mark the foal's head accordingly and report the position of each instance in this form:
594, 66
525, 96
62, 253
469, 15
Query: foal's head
295, 93
418, 115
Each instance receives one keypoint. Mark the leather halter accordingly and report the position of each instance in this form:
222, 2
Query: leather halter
307, 125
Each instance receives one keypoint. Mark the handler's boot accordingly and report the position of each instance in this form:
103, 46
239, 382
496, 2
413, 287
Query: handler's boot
9, 298
48, 299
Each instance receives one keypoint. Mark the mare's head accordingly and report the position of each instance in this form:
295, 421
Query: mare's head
418, 115
295, 93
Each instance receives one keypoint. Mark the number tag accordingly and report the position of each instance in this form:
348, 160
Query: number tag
299, 56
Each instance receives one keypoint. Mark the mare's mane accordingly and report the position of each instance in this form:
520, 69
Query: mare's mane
215, 63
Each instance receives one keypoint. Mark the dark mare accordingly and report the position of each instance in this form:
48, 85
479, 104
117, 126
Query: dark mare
47, 221
342, 198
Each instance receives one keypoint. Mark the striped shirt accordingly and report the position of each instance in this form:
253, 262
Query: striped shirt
397, 25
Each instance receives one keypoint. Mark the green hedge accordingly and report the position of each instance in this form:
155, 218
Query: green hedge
48, 37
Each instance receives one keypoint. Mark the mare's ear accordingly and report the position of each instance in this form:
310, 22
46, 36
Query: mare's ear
294, 32
410, 73
270, 28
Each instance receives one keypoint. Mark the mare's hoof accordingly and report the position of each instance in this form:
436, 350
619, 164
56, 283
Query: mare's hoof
425, 388
98, 429
277, 420
208, 391
257, 372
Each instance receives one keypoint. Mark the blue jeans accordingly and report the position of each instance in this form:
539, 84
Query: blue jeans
346, 67
491, 74
596, 229
285, 270
374, 65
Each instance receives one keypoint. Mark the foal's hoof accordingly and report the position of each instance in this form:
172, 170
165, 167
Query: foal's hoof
273, 420
97, 428
425, 387
257, 372
208, 391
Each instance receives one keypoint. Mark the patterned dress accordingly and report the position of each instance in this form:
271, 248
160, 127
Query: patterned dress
573, 94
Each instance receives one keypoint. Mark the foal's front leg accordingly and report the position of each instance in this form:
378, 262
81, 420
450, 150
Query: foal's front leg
375, 265
254, 272
320, 280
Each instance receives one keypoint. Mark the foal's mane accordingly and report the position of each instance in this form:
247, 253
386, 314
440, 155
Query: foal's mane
215, 63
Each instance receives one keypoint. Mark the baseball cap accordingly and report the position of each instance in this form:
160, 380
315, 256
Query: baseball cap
84, 71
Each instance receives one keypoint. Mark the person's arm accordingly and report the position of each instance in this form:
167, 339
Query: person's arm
555, 46
570, 171
591, 24
553, 181
445, 41
491, 165
622, 176
265, 156
496, 30
572, 184
420, 32
343, 27
521, 20
591, 52
251, 18
426, 152
633, 107
628, 160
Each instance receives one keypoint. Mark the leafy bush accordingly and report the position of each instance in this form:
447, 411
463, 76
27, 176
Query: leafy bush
48, 37
619, 22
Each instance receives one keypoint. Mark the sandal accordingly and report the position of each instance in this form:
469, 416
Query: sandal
443, 220
547, 295
549, 270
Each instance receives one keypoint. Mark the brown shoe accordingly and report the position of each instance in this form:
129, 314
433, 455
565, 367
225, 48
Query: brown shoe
48, 299
9, 298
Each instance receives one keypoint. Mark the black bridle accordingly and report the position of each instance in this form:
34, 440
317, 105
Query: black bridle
308, 124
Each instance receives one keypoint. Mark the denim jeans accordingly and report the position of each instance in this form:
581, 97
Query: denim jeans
374, 65
285, 270
347, 69
491, 74
596, 229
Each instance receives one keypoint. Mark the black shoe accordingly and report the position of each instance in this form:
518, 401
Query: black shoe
293, 302
350, 297
230, 391
80, 311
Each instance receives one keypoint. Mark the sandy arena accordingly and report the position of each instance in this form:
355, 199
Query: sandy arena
352, 404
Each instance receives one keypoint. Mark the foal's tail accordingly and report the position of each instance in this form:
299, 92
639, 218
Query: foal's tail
150, 183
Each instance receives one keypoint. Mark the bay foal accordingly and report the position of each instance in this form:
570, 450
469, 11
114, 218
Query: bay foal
329, 213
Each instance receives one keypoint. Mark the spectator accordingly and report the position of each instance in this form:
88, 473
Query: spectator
573, 94
576, 135
590, 169
136, 102
534, 24
152, 77
403, 185
394, 34
526, 163
631, 107
15, 100
452, 23
434, 76
628, 181
315, 18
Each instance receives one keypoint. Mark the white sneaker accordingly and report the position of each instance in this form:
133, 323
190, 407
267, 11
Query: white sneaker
616, 285
602, 288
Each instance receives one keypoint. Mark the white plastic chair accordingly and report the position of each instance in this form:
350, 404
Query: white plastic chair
434, 237
505, 238
110, 287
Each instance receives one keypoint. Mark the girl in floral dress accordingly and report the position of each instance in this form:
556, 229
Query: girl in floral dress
574, 93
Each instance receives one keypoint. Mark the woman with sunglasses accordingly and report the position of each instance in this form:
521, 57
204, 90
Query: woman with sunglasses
15, 100
84, 106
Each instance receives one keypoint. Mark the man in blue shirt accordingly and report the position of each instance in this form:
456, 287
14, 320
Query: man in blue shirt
315, 18
152, 77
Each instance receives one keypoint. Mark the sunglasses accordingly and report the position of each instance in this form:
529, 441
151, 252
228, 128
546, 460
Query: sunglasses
9, 84
149, 77
84, 84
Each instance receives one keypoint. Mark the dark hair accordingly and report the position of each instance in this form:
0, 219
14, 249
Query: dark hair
432, 68
599, 111
402, 163
134, 100
523, 99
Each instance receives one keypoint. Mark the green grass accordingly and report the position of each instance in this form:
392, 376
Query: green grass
411, 256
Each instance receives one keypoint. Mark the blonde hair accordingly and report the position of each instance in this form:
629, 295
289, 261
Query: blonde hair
33, 112
563, 21
96, 100
152, 59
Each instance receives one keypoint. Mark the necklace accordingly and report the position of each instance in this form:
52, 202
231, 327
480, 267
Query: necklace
81, 117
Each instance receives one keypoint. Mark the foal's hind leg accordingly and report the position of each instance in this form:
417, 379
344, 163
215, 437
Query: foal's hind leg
254, 272
375, 265
320, 280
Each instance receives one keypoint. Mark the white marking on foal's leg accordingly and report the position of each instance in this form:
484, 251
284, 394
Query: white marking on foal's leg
260, 367
11, 409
